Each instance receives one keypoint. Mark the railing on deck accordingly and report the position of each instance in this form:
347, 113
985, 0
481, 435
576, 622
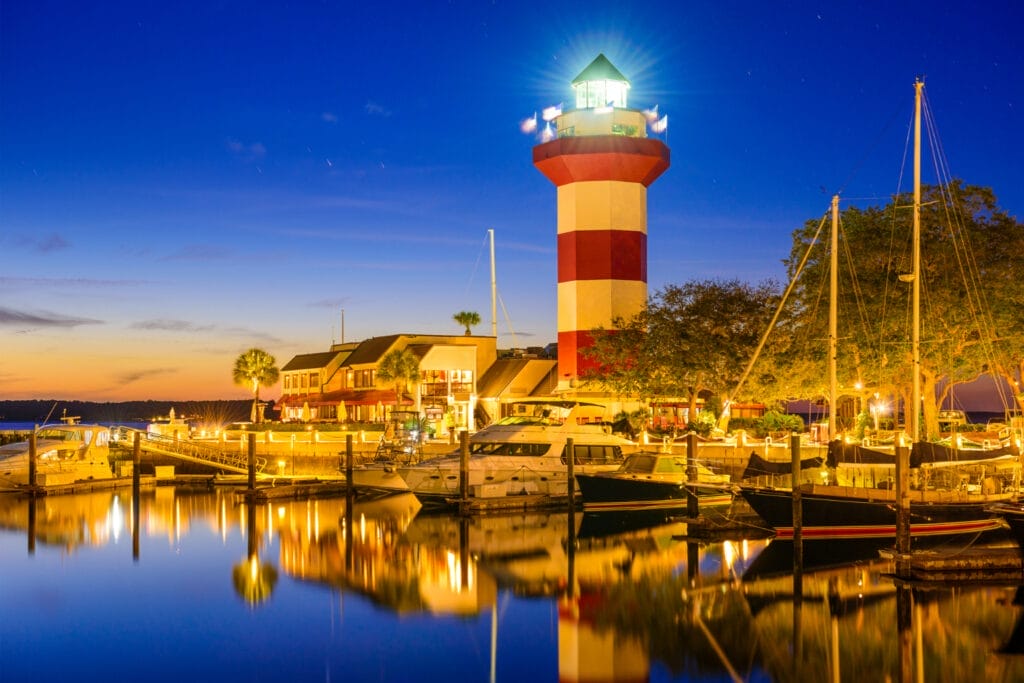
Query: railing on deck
186, 449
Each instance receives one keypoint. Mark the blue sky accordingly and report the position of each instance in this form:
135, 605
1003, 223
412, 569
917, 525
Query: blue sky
181, 181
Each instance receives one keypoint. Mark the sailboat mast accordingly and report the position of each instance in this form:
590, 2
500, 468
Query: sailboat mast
833, 324
915, 407
494, 289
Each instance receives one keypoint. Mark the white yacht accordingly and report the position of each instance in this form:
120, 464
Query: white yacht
65, 454
524, 453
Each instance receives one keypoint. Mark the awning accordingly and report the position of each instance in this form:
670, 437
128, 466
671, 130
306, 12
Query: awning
351, 397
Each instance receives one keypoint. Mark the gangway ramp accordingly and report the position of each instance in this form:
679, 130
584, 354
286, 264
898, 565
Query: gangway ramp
229, 460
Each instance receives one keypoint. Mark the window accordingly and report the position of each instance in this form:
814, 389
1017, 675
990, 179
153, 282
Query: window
314, 379
287, 382
595, 455
509, 448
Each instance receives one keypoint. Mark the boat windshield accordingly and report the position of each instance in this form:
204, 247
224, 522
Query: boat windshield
58, 434
645, 463
499, 448
595, 455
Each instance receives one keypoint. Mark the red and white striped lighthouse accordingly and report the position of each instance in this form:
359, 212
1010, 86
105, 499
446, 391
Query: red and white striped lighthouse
602, 163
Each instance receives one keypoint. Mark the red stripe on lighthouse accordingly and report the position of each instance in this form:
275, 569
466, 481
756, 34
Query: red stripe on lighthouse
602, 255
602, 157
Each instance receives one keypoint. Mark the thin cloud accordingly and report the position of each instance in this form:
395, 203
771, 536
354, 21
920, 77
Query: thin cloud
173, 325
165, 324
249, 152
252, 334
137, 375
43, 244
329, 117
329, 303
74, 282
10, 317
374, 109
198, 252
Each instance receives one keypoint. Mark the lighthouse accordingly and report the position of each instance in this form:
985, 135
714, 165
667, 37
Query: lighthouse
602, 163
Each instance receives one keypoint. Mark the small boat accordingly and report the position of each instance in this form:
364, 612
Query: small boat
648, 481
523, 454
65, 454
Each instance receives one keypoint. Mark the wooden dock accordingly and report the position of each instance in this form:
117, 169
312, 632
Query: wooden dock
1002, 564
83, 486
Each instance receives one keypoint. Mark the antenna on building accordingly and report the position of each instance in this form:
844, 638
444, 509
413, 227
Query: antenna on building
343, 326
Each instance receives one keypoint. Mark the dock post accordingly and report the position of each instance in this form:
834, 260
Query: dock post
902, 509
32, 459
252, 462
570, 485
348, 462
692, 506
570, 464
798, 510
464, 467
31, 525
136, 507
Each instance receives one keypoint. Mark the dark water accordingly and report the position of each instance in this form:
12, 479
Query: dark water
199, 587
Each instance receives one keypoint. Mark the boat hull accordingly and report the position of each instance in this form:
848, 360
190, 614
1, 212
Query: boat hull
1012, 512
834, 517
617, 493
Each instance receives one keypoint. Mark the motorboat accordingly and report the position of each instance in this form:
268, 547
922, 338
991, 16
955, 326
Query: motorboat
65, 453
524, 453
648, 481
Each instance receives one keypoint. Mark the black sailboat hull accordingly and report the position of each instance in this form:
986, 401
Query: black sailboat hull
1013, 513
832, 517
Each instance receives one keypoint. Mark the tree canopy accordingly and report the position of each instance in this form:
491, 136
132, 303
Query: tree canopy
400, 366
972, 298
467, 319
698, 337
255, 368
692, 339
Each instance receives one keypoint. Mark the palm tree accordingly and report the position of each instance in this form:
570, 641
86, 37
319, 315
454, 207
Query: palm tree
256, 368
467, 319
400, 366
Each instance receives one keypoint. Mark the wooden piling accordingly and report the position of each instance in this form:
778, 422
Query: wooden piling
136, 507
902, 508
252, 461
31, 525
798, 514
570, 463
463, 466
32, 459
349, 457
692, 506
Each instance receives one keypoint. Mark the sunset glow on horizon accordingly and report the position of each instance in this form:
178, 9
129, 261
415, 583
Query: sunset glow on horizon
179, 186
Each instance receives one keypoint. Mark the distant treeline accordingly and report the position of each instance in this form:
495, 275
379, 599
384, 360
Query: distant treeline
125, 411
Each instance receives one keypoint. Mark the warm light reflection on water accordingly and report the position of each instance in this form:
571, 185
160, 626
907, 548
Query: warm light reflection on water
214, 589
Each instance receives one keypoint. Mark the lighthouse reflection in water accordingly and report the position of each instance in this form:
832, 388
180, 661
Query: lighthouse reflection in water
199, 585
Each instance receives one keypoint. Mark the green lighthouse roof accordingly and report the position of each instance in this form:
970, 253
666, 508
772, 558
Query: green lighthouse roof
600, 70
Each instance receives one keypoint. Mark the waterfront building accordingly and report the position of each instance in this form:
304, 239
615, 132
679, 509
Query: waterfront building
462, 382
602, 163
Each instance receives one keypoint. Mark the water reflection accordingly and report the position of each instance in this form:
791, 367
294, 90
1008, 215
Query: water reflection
630, 598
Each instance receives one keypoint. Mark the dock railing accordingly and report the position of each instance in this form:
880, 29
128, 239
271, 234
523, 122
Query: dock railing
186, 449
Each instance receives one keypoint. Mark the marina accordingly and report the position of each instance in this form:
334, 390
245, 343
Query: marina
338, 588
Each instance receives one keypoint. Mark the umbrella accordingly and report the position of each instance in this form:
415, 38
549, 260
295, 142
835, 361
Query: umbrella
342, 413
305, 412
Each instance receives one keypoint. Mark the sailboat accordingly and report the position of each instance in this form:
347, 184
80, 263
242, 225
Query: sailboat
869, 508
